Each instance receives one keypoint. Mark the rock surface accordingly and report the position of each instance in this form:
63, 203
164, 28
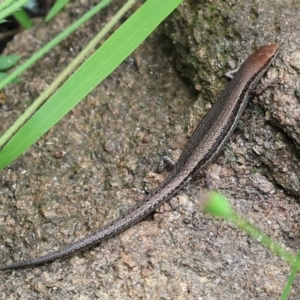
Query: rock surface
113, 141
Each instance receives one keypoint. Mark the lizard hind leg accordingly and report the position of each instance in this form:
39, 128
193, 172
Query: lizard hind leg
166, 163
205, 176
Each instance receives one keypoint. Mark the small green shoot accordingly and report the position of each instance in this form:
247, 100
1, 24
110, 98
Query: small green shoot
291, 279
218, 206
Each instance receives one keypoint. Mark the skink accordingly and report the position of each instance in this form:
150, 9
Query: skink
204, 145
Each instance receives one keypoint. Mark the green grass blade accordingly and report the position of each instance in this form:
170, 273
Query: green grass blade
132, 33
53, 43
66, 72
4, 4
56, 8
22, 17
2, 76
8, 61
12, 8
